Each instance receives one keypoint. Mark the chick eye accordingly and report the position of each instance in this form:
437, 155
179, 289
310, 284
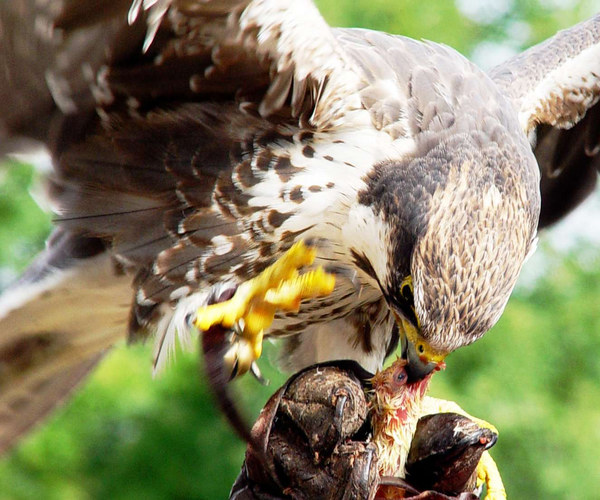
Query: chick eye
400, 377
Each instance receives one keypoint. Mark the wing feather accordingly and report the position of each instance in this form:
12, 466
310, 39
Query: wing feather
57, 322
555, 87
158, 114
284, 47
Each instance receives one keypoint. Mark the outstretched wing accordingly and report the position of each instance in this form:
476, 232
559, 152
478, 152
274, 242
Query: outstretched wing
154, 149
555, 86
158, 116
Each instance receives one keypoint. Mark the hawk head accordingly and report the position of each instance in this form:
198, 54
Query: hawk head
456, 224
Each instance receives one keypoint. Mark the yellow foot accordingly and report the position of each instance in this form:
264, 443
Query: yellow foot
252, 309
487, 472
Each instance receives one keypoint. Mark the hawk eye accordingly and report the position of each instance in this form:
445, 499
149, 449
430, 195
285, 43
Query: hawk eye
406, 289
402, 299
405, 300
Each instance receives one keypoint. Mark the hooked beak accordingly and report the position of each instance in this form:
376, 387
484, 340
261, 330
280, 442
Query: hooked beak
420, 361
417, 367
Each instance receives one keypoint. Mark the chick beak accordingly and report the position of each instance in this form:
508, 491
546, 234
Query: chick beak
418, 365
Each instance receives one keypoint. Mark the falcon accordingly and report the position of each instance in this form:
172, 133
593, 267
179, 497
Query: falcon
201, 146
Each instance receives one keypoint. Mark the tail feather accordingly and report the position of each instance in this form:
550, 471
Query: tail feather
55, 325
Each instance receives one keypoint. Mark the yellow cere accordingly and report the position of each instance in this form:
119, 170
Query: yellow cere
421, 345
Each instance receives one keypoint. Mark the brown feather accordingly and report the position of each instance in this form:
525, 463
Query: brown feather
556, 87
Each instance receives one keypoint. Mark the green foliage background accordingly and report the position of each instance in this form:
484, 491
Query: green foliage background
536, 375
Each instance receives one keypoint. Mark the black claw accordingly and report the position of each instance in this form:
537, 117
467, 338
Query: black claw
190, 319
366, 470
221, 294
234, 371
340, 405
255, 371
491, 437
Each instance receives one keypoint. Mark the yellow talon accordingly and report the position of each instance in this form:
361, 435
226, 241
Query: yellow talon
290, 292
253, 307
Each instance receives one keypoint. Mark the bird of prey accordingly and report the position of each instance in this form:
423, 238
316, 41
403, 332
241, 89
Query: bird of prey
194, 142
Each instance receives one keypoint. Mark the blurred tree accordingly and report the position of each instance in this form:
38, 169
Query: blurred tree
536, 375
23, 226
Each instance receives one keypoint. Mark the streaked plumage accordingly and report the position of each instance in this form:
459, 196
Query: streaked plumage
194, 142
